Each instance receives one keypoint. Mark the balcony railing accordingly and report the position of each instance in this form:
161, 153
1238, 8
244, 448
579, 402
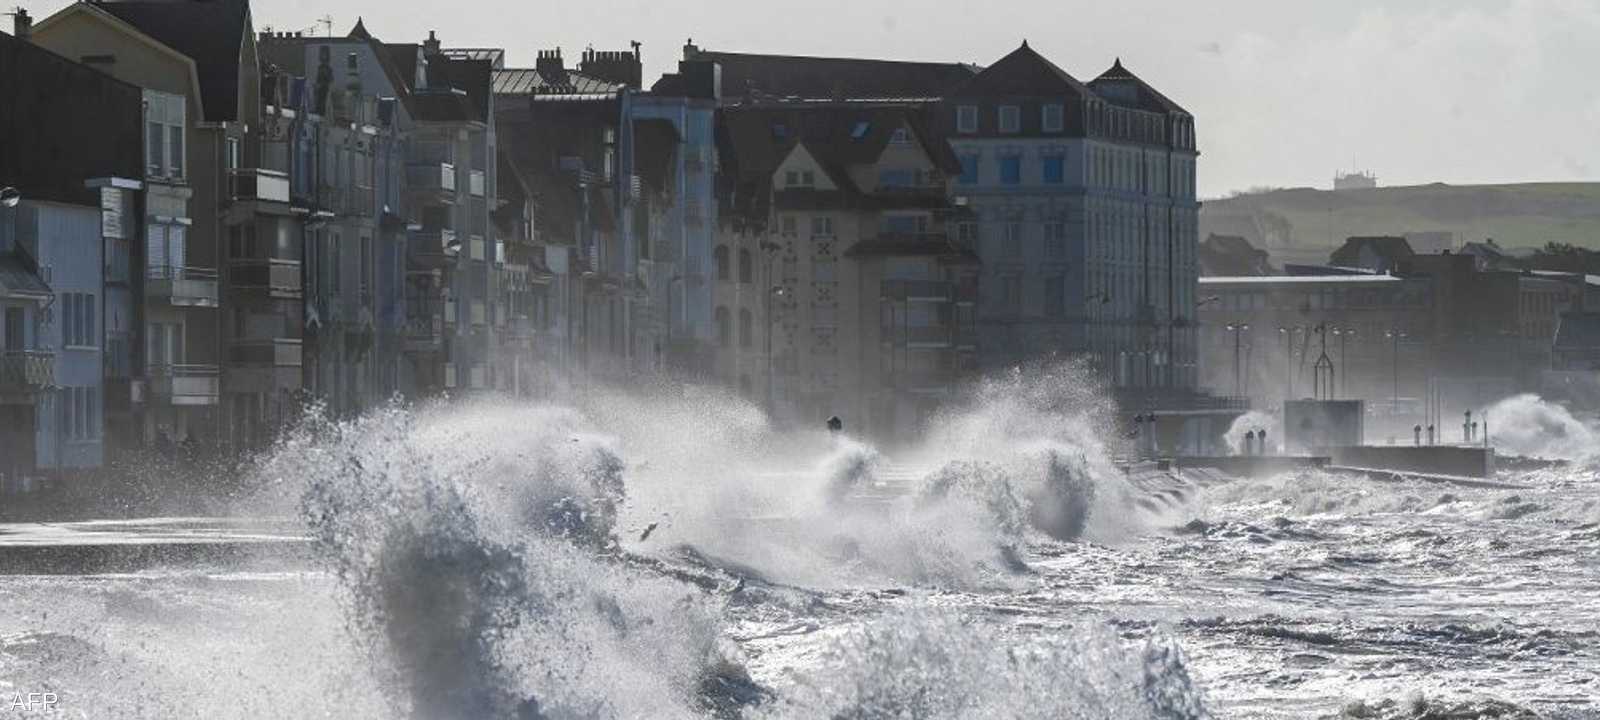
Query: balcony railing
277, 352
424, 333
185, 384
278, 278
929, 290
182, 286
352, 200
436, 179
258, 185
433, 248
26, 371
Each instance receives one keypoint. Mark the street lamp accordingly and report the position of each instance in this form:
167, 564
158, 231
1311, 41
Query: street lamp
1344, 335
1288, 355
1238, 375
1395, 334
772, 292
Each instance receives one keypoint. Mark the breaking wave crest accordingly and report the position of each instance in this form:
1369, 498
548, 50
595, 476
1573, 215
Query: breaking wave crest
934, 665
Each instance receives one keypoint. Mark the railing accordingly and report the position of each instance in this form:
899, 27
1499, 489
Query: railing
185, 384
26, 371
476, 183
278, 277
182, 286
278, 352
356, 200
439, 178
256, 184
935, 290
432, 248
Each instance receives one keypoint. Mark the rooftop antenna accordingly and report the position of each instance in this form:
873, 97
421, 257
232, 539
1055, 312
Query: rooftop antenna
326, 21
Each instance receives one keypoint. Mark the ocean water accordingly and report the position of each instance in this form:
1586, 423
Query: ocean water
669, 555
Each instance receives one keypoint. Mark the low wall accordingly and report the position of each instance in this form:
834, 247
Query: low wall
1475, 462
1252, 465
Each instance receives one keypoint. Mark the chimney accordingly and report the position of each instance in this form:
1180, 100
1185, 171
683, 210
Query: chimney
690, 50
620, 67
22, 24
550, 66
430, 47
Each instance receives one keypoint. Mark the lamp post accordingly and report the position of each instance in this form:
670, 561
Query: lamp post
1394, 334
1344, 335
774, 291
1288, 356
1238, 376
674, 279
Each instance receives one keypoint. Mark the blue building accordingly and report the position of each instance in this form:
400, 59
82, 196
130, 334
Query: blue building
68, 235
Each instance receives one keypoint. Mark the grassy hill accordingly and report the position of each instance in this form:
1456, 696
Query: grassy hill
1304, 224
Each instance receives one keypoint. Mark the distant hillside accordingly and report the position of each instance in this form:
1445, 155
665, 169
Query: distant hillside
1304, 225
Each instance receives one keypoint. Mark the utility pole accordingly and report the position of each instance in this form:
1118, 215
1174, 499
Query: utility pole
1238, 374
1395, 334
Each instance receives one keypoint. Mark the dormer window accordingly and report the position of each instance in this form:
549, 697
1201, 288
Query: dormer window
967, 119
1010, 119
860, 130
900, 136
1052, 118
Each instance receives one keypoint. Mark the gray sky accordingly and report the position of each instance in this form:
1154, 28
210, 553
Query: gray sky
1285, 93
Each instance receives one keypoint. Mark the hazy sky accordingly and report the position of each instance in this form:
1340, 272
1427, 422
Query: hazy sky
1285, 93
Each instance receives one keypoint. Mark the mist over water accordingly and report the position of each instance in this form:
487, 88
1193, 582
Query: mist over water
1528, 425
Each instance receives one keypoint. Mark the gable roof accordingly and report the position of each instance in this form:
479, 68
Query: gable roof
1119, 86
764, 136
823, 78
1389, 248
212, 33
1023, 72
94, 10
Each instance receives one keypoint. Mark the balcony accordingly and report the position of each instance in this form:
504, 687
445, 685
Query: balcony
424, 334
432, 181
182, 286
347, 200
476, 183
276, 278
258, 185
25, 372
435, 248
275, 352
185, 385
917, 290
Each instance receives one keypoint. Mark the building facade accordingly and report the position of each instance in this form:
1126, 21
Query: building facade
1086, 219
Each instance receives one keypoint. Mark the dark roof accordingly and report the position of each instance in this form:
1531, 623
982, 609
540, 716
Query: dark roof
1022, 73
528, 81
17, 278
211, 32
1578, 331
1391, 249
789, 76
829, 133
1119, 86
913, 245
459, 88
1232, 256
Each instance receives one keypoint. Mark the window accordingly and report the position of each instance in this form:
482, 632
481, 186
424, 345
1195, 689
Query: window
232, 153
336, 265
1055, 296
746, 267
1010, 119
1011, 292
1013, 240
895, 178
791, 178
789, 225
969, 170
164, 138
967, 119
967, 234
1055, 240
823, 271
860, 130
822, 225
724, 327
779, 131
1011, 170
746, 332
1054, 169
807, 178
724, 273
164, 251
1052, 118
900, 136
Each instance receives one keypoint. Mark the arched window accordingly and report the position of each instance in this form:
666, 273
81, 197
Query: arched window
746, 336
721, 255
724, 326
746, 269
